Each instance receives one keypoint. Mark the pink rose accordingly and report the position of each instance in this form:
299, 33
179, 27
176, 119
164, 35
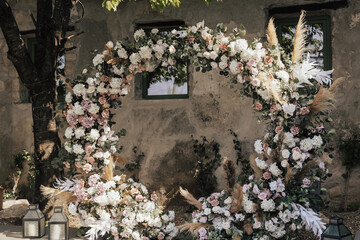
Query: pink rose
262, 196
256, 189
102, 100
266, 175
104, 78
87, 167
304, 110
134, 191
161, 235
203, 219
78, 165
90, 160
88, 149
139, 198
294, 130
105, 113
214, 202
268, 60
306, 181
154, 196
278, 129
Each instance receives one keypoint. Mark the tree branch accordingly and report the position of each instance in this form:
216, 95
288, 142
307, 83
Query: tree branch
17, 52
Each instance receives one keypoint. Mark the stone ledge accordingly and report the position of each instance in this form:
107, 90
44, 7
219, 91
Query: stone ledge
14, 208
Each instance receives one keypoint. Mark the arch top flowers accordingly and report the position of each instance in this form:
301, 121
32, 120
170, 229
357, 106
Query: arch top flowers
273, 198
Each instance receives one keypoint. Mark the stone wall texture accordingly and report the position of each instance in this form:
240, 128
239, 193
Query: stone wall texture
162, 129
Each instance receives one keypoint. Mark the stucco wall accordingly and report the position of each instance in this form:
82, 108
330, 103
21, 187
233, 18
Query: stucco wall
162, 129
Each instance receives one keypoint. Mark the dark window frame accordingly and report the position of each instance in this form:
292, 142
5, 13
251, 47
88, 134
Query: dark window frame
162, 26
325, 20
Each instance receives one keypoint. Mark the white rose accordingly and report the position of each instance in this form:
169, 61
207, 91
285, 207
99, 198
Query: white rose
79, 89
258, 146
154, 31
285, 153
207, 211
223, 65
109, 44
94, 134
261, 164
68, 97
275, 170
79, 132
172, 49
98, 59
139, 34
78, 149
69, 132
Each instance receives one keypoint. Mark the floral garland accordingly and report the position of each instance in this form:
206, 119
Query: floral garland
275, 197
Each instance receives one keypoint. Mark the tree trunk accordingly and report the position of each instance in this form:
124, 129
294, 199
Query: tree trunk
39, 78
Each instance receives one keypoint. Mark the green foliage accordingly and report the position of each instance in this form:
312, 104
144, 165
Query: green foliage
245, 164
209, 159
63, 156
158, 5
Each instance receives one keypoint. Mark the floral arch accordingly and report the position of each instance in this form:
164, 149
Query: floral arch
273, 199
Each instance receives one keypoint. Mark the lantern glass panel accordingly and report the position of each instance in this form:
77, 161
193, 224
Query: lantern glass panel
332, 230
344, 230
347, 238
57, 231
31, 228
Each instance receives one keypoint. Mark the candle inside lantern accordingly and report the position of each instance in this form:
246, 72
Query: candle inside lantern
57, 231
31, 228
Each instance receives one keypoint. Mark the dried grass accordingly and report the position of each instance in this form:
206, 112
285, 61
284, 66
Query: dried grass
190, 198
237, 198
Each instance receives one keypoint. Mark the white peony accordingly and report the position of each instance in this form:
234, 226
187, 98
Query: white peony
122, 53
78, 109
234, 67
172, 49
289, 108
223, 65
288, 139
68, 147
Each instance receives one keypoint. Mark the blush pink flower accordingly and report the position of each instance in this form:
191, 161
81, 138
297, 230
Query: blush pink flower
262, 196
105, 113
256, 190
266, 175
139, 198
268, 60
161, 236
87, 167
90, 160
102, 100
87, 122
214, 202
278, 129
67, 165
304, 110
294, 130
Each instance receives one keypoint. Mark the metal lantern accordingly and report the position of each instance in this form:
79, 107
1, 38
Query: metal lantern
336, 230
34, 222
58, 225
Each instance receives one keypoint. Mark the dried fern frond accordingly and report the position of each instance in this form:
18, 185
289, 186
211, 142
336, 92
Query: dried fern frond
299, 42
323, 101
190, 198
271, 33
193, 228
54, 195
109, 170
229, 169
237, 198
288, 174
254, 167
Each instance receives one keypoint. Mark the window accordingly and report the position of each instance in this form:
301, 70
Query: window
165, 83
318, 40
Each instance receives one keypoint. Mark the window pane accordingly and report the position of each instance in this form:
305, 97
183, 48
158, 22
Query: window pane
168, 81
314, 40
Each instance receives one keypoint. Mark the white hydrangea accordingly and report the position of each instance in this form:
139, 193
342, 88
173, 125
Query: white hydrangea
275, 170
98, 59
258, 146
78, 149
139, 34
78, 109
117, 70
115, 82
234, 67
241, 45
68, 147
94, 134
122, 53
285, 216
306, 144
102, 200
79, 89
94, 108
317, 141
79, 132
69, 132
68, 97
289, 108
289, 139
135, 58
248, 205
261, 163
268, 205
145, 52
113, 197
